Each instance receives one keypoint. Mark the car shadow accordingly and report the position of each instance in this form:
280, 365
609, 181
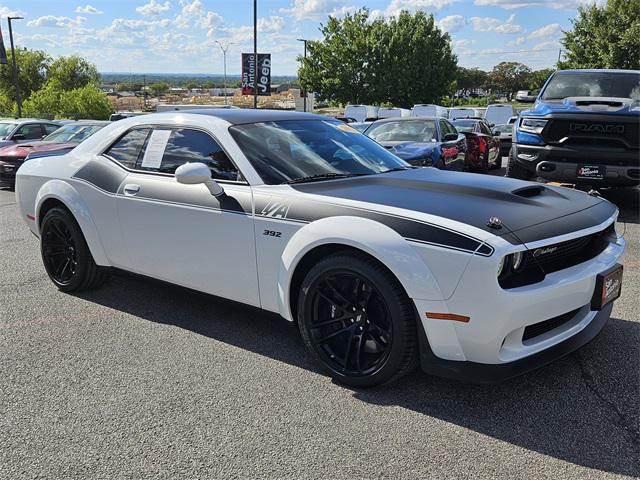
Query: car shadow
564, 410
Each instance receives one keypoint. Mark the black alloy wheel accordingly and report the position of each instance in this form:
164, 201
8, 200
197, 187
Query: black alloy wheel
65, 253
357, 321
59, 251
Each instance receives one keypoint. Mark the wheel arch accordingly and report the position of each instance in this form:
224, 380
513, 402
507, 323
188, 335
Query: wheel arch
60, 193
329, 235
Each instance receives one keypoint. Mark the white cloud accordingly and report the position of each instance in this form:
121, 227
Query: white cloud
8, 12
396, 6
272, 24
489, 24
313, 9
516, 42
550, 30
88, 9
56, 22
211, 21
547, 45
190, 10
153, 8
452, 23
555, 4
343, 11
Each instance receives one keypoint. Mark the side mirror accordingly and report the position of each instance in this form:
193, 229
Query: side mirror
450, 137
18, 136
496, 133
196, 172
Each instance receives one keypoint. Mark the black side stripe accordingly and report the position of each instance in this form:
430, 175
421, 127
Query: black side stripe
103, 175
308, 211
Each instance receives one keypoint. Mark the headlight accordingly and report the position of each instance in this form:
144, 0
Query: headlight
516, 260
501, 266
532, 125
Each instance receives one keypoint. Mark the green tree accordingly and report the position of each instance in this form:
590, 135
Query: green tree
605, 36
54, 102
470, 79
73, 72
159, 88
32, 71
509, 77
401, 61
537, 78
84, 102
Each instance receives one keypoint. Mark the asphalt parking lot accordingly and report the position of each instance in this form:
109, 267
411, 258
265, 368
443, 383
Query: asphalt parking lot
141, 380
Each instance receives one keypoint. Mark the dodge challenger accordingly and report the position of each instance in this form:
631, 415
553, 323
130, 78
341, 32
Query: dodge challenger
383, 266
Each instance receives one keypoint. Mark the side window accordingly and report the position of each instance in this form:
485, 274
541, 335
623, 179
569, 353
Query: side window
485, 129
446, 128
30, 132
49, 128
127, 150
185, 145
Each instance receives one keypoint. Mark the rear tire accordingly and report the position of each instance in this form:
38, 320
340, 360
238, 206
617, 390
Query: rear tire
357, 321
65, 253
515, 170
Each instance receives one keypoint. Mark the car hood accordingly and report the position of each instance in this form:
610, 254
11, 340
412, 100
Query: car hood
4, 143
528, 211
411, 150
586, 105
23, 149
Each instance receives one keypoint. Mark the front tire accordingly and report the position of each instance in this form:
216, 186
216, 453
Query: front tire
514, 169
357, 321
65, 253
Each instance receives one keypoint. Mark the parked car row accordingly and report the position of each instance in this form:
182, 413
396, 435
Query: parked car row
494, 114
51, 138
464, 144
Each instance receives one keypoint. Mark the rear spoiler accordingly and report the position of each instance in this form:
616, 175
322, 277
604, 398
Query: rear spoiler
52, 153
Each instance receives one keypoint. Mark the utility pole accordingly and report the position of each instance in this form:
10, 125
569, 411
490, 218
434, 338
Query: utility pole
15, 67
255, 53
304, 91
224, 60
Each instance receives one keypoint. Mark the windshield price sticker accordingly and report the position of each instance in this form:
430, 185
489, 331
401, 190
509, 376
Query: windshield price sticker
155, 148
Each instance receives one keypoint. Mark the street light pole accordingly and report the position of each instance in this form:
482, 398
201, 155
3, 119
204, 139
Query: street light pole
304, 99
224, 61
15, 67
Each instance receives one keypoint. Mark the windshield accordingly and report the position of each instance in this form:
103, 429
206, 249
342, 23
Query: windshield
404, 131
464, 125
6, 129
590, 84
72, 133
506, 128
293, 149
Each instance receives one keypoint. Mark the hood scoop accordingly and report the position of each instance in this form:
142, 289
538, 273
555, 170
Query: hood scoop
529, 191
599, 104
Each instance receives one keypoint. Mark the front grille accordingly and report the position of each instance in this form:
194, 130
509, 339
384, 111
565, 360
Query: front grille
538, 262
623, 134
538, 329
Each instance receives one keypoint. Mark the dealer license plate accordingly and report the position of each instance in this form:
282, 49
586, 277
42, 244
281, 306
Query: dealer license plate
608, 287
593, 172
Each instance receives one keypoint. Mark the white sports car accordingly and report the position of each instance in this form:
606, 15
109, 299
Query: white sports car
382, 265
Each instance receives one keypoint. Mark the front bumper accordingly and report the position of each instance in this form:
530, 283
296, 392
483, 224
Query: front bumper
488, 373
495, 338
8, 174
560, 164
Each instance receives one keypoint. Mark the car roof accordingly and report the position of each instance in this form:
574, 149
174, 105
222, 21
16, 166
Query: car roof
598, 70
246, 115
85, 122
27, 120
407, 119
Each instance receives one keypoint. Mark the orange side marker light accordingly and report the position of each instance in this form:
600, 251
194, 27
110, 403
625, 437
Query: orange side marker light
448, 316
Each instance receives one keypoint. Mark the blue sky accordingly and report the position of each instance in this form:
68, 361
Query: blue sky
180, 35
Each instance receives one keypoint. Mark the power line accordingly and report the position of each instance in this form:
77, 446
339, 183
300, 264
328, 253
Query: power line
515, 51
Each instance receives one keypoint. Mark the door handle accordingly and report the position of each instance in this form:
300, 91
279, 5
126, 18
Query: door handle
130, 189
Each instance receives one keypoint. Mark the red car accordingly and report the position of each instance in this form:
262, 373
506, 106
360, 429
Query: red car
64, 138
482, 142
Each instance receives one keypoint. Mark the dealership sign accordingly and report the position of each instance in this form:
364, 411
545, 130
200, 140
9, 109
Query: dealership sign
260, 76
